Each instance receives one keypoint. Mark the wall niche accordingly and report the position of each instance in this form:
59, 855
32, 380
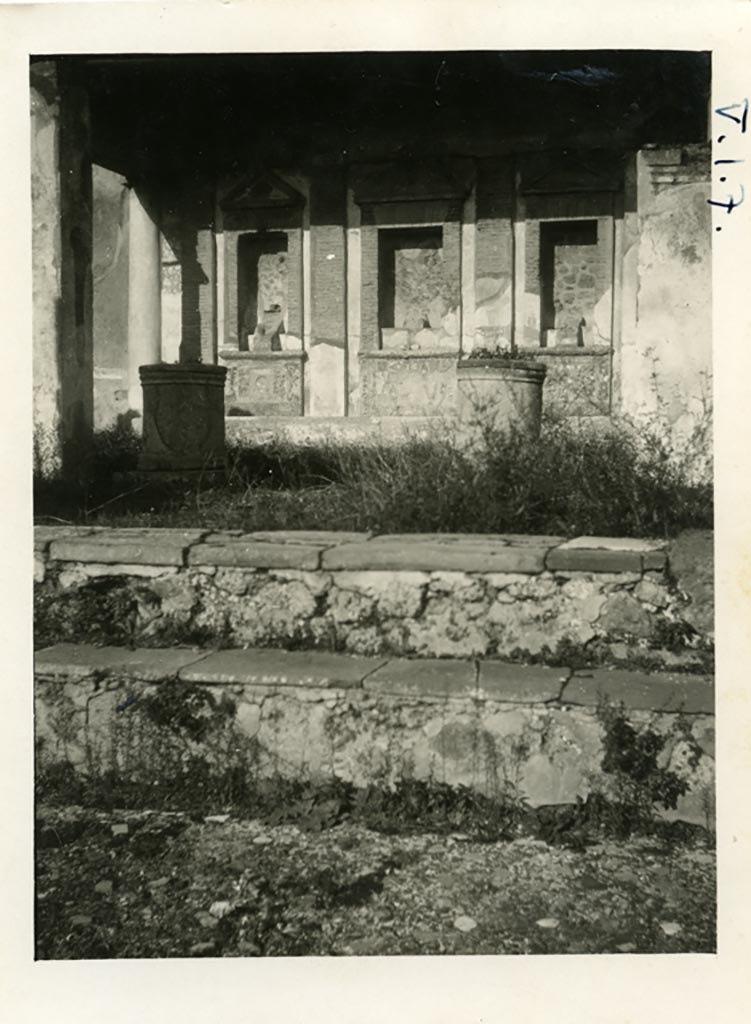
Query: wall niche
574, 277
260, 279
262, 291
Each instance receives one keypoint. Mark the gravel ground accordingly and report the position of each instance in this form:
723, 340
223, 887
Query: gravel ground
140, 884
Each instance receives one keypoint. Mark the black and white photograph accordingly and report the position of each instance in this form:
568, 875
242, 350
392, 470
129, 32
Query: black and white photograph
372, 470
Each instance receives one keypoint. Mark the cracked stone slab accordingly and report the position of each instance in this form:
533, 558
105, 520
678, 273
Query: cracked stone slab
640, 691
45, 535
520, 684
424, 677
81, 661
657, 560
608, 554
269, 667
250, 553
613, 544
442, 538
596, 560
524, 539
452, 552
322, 537
123, 546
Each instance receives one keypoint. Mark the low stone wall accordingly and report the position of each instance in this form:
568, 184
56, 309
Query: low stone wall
507, 730
428, 595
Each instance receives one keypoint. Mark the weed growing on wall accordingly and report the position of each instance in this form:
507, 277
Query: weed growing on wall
635, 781
103, 611
187, 710
113, 610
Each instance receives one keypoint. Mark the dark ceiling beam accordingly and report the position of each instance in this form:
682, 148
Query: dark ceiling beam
173, 116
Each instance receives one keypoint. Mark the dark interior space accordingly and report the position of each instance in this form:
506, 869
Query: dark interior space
150, 111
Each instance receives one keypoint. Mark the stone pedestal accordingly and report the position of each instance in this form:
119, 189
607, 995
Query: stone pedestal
183, 418
506, 397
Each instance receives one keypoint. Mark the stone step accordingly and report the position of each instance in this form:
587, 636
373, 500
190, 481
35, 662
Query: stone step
323, 549
506, 683
500, 596
493, 726
533, 731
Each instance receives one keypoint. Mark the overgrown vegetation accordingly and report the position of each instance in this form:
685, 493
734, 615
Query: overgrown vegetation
635, 779
109, 611
569, 481
696, 652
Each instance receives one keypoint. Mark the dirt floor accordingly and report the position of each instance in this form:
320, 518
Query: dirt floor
141, 884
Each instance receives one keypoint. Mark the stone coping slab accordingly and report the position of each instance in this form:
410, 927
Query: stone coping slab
244, 552
417, 553
613, 544
264, 667
413, 678
608, 554
639, 691
593, 560
400, 353
426, 677
82, 661
327, 537
260, 357
520, 684
331, 550
138, 546
44, 535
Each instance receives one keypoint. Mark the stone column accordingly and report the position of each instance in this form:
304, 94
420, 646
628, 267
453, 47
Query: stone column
354, 313
144, 294
469, 230
518, 296
62, 278
494, 252
327, 357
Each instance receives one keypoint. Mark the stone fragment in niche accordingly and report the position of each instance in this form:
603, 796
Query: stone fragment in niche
267, 337
394, 338
424, 339
414, 321
451, 323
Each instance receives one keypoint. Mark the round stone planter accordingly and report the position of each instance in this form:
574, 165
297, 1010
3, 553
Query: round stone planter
183, 418
504, 396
